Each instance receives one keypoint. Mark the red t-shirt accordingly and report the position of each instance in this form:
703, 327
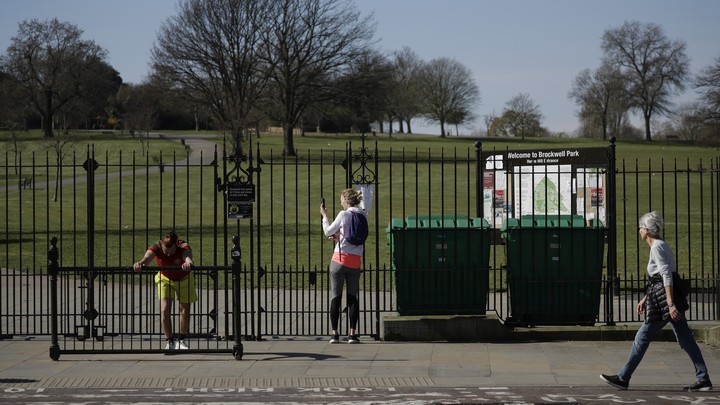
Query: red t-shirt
175, 259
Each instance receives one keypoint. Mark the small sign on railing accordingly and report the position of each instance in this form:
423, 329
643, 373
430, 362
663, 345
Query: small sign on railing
240, 199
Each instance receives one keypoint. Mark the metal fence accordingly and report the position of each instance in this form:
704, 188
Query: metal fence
105, 212
115, 310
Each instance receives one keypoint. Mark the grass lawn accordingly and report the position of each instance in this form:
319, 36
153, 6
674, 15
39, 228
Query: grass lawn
37, 157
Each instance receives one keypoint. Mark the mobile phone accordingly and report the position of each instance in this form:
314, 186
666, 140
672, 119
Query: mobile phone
323, 202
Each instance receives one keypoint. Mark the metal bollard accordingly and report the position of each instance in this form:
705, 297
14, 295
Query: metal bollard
53, 270
236, 255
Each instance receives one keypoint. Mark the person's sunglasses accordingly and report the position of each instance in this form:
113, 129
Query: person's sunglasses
169, 245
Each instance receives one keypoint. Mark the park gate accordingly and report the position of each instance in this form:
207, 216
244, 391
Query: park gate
243, 293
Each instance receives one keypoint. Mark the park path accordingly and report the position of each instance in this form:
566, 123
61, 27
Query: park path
201, 151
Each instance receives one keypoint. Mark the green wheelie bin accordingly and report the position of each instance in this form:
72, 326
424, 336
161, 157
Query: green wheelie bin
440, 264
554, 266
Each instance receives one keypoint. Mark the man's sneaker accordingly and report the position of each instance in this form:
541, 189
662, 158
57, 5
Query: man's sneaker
353, 339
615, 381
171, 345
334, 338
181, 345
699, 386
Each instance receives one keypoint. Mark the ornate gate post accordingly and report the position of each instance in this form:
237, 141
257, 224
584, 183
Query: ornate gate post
366, 178
239, 196
613, 282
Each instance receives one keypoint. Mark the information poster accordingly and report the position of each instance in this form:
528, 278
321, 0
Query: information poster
495, 203
541, 190
568, 181
240, 199
590, 194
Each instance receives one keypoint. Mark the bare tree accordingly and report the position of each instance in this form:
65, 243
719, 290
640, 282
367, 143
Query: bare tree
708, 82
365, 90
522, 116
461, 116
488, 119
210, 50
61, 146
687, 122
600, 95
13, 110
97, 85
655, 67
311, 43
404, 101
50, 59
139, 106
446, 89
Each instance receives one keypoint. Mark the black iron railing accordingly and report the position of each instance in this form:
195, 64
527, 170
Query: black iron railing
105, 212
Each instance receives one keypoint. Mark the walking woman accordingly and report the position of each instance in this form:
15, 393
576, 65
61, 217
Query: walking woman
346, 261
661, 304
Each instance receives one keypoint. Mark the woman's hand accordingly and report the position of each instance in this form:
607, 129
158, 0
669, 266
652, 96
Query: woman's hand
641, 305
323, 210
187, 264
675, 315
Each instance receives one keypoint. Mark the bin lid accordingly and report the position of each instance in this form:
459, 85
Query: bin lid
437, 221
550, 221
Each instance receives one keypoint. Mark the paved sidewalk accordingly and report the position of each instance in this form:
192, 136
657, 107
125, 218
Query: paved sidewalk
313, 362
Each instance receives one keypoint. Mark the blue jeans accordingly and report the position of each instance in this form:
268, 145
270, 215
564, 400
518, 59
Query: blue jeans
647, 333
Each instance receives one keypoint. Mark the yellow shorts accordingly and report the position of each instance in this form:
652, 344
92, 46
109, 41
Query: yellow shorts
185, 288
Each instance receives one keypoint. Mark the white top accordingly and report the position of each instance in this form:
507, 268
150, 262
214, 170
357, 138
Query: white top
339, 226
661, 261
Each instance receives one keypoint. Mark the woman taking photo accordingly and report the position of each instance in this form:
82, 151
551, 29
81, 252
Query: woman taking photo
346, 261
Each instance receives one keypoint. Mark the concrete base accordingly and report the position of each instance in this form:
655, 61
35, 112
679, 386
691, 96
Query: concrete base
709, 334
488, 328
451, 328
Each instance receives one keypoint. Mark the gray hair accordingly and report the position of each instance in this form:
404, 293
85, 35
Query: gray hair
653, 222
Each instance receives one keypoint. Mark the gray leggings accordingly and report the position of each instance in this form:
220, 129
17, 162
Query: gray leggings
339, 274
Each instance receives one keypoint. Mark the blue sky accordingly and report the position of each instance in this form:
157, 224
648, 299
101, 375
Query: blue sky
511, 46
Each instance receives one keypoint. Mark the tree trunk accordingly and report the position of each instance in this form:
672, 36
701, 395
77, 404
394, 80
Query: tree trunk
289, 146
409, 130
400, 124
15, 151
57, 180
647, 127
47, 116
442, 129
